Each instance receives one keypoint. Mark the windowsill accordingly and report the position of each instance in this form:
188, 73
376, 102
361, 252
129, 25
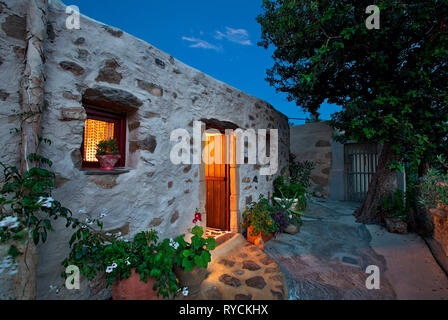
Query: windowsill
99, 172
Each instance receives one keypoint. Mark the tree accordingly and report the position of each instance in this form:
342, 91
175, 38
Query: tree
391, 82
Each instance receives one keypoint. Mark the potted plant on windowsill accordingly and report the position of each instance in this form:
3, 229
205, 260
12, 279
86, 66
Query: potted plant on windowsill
107, 154
257, 218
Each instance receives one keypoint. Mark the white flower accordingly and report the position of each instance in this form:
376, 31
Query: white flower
109, 269
108, 234
128, 262
114, 265
185, 291
45, 202
174, 244
82, 211
118, 234
8, 221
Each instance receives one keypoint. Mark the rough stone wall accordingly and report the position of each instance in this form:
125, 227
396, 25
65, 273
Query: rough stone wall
100, 64
12, 50
311, 142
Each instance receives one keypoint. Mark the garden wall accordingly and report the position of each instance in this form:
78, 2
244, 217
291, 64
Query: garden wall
105, 66
311, 142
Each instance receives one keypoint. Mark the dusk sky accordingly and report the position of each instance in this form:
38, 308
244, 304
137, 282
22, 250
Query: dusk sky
218, 38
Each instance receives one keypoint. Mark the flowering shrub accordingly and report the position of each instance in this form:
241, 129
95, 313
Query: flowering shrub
258, 215
196, 253
95, 252
27, 207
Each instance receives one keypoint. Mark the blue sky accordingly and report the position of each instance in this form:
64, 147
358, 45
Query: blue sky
218, 38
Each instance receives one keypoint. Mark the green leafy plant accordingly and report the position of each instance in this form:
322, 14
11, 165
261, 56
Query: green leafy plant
284, 188
27, 208
101, 252
433, 190
258, 215
195, 253
107, 147
300, 171
291, 209
95, 252
395, 205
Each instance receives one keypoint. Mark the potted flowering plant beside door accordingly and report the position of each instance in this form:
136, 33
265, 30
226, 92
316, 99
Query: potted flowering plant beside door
107, 154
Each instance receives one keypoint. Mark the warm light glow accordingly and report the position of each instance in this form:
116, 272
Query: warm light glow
94, 132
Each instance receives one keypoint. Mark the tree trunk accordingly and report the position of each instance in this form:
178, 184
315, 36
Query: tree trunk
33, 81
384, 181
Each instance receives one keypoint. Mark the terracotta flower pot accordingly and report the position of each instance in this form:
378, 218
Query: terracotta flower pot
134, 289
192, 280
108, 161
254, 239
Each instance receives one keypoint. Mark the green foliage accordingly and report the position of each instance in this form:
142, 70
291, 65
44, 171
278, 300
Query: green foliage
395, 205
95, 252
107, 147
196, 253
284, 188
433, 190
300, 171
27, 208
390, 82
258, 215
292, 210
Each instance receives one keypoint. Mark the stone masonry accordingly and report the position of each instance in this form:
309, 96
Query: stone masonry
108, 68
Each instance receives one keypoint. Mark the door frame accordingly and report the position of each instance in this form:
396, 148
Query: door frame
226, 179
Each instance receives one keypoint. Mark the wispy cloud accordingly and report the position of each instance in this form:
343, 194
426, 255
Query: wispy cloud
199, 43
240, 36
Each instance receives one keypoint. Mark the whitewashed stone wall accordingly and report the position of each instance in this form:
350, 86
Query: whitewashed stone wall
160, 94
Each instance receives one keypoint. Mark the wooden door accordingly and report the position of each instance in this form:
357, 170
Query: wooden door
217, 182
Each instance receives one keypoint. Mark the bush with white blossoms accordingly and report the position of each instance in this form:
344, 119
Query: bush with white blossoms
27, 208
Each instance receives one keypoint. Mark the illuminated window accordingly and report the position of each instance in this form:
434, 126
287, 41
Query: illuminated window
101, 125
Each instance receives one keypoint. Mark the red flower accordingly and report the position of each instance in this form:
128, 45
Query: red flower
198, 216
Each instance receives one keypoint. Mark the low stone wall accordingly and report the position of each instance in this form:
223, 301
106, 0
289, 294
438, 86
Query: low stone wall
311, 142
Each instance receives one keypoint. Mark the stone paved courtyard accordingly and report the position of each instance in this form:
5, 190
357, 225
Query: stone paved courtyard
241, 271
328, 258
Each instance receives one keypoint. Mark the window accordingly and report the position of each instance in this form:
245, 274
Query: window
101, 125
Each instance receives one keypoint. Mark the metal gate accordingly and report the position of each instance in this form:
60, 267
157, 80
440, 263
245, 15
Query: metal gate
360, 163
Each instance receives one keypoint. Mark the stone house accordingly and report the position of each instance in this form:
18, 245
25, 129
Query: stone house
102, 82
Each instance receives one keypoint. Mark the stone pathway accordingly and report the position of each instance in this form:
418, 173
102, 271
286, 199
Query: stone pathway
241, 271
328, 258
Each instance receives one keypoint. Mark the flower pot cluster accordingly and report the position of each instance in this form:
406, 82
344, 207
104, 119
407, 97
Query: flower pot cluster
147, 267
264, 219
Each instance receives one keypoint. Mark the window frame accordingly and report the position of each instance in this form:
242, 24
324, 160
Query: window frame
119, 120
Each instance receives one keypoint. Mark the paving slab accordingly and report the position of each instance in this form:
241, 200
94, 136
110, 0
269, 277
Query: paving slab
328, 259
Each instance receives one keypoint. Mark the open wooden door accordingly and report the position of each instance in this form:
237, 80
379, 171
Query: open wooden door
217, 182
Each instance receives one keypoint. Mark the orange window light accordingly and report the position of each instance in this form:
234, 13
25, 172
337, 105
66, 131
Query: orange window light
94, 132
